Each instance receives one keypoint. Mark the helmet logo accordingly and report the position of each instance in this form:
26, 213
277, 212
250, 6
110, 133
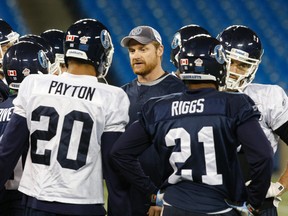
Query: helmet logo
70, 38
105, 39
219, 54
42, 59
11, 72
83, 40
176, 41
26, 72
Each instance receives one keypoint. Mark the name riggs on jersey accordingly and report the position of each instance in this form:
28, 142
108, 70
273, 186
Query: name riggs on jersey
83, 92
185, 107
5, 114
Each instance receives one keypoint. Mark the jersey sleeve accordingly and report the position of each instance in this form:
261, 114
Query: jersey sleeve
243, 108
117, 114
278, 102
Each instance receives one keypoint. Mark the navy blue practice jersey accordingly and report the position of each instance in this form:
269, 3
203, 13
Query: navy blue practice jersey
6, 110
139, 93
10, 197
195, 133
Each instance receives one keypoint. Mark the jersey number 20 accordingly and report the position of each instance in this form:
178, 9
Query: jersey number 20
65, 138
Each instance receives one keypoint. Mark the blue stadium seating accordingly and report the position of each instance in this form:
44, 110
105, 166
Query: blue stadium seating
268, 18
11, 14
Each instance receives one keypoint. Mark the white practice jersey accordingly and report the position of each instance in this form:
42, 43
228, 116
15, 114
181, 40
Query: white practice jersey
272, 102
66, 116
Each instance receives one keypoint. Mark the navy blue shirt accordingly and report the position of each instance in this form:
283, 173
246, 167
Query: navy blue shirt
197, 134
139, 93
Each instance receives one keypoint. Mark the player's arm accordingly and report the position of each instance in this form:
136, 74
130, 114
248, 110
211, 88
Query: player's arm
12, 145
259, 155
124, 156
279, 187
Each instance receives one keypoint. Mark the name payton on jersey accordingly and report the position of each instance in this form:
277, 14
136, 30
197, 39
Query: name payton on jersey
185, 107
83, 92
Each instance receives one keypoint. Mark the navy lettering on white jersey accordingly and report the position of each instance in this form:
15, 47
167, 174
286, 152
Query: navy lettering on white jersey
82, 92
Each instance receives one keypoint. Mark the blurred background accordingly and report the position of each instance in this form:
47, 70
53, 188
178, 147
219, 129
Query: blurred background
268, 18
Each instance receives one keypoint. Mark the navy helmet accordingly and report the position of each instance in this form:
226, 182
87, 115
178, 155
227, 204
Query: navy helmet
243, 45
22, 59
90, 40
202, 58
182, 35
55, 37
48, 49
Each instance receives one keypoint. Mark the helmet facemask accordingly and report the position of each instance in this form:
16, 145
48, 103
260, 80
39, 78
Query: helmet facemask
12, 38
238, 81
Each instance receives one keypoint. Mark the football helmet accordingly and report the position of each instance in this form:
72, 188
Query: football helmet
7, 37
242, 45
182, 35
90, 40
48, 49
22, 59
55, 37
202, 58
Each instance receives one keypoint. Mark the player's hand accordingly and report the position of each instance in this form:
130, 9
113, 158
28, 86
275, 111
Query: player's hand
243, 208
154, 211
276, 201
275, 189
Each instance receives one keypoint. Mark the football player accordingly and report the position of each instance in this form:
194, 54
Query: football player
20, 60
67, 120
196, 133
49, 50
244, 53
55, 37
7, 38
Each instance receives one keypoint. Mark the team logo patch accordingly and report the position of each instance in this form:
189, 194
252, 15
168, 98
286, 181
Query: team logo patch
136, 31
26, 72
184, 62
70, 38
105, 39
83, 40
11, 72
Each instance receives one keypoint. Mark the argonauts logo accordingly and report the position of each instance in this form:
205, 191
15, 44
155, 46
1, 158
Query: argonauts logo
219, 54
136, 31
105, 39
42, 58
176, 41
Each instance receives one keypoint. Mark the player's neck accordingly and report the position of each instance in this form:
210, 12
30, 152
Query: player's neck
200, 85
81, 69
